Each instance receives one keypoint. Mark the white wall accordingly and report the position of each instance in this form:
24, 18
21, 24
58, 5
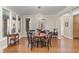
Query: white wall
3, 40
67, 31
0, 23
51, 22
68, 16
62, 25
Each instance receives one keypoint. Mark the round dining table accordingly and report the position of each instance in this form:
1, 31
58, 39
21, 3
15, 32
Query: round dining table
39, 37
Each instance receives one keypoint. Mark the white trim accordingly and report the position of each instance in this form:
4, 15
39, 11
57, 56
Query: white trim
75, 12
24, 34
68, 37
1, 23
3, 38
66, 10
10, 10
3, 42
59, 37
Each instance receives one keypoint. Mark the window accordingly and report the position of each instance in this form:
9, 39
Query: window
19, 24
5, 18
13, 23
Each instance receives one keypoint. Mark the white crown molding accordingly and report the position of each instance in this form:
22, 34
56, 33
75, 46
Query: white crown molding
67, 9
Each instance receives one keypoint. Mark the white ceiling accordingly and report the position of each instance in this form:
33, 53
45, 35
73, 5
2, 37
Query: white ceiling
32, 10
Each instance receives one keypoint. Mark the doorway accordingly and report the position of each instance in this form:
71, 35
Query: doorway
27, 24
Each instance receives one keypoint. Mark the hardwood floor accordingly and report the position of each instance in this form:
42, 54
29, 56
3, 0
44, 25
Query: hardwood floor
58, 46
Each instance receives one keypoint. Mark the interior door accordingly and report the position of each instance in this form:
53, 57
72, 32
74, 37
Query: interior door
76, 26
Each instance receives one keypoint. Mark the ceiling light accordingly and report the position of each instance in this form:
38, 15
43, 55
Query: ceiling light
39, 7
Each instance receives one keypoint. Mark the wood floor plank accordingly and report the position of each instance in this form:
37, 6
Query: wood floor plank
63, 45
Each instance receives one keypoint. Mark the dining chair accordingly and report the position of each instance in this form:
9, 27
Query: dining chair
45, 42
34, 42
50, 37
29, 37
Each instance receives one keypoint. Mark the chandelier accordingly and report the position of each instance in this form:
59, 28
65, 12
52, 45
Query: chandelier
40, 19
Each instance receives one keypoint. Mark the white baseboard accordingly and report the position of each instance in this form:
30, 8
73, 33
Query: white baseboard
68, 37
59, 37
3, 43
24, 35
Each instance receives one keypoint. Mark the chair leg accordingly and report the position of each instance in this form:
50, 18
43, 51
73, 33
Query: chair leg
37, 44
8, 43
28, 44
15, 41
48, 44
41, 43
31, 45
